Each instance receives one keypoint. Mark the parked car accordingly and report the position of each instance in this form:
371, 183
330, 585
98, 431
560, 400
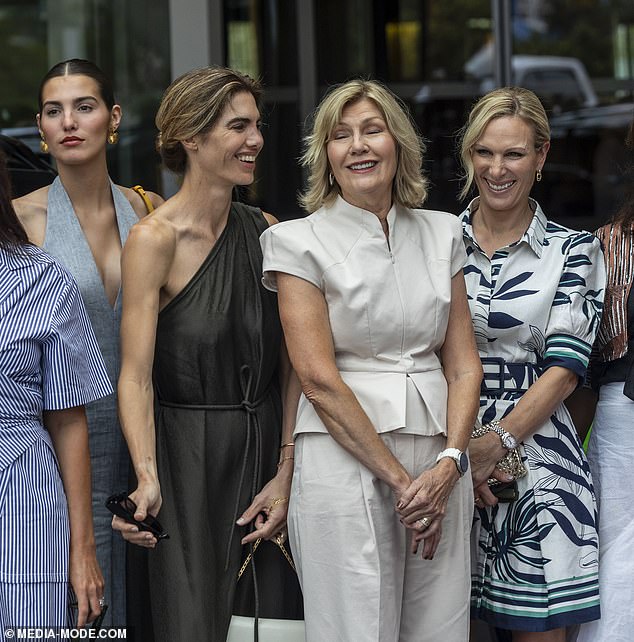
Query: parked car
27, 170
583, 180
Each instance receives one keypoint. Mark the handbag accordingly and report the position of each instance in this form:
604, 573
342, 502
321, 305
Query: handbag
242, 628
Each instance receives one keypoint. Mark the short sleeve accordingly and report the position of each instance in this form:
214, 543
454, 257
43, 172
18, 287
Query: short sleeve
458, 251
287, 247
73, 371
577, 307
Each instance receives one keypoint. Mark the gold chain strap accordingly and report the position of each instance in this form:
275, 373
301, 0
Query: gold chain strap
278, 540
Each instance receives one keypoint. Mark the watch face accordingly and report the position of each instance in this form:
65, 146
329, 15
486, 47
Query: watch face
463, 463
509, 441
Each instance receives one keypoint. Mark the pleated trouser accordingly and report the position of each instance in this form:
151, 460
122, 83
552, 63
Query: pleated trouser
359, 580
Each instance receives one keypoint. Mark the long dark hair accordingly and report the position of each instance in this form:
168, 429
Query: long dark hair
79, 67
625, 214
11, 231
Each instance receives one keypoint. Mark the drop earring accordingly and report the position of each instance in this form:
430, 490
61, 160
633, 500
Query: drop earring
113, 137
331, 179
538, 176
43, 144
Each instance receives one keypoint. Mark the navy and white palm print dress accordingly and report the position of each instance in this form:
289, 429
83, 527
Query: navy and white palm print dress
536, 303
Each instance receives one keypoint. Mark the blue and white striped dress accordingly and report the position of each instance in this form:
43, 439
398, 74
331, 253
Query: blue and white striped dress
49, 360
536, 304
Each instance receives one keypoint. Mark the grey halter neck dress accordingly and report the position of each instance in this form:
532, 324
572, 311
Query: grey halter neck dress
109, 458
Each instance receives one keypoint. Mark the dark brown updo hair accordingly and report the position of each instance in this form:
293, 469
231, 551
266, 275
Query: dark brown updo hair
192, 105
79, 67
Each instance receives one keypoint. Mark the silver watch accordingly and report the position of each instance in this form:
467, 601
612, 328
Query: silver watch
508, 441
460, 459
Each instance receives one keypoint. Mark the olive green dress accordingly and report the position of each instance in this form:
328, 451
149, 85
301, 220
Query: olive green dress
218, 431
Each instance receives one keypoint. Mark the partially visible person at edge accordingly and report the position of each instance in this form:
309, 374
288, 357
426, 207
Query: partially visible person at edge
536, 294
83, 220
375, 315
201, 337
611, 445
50, 367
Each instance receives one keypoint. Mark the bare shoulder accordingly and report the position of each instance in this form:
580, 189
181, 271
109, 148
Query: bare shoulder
270, 219
154, 233
138, 204
31, 210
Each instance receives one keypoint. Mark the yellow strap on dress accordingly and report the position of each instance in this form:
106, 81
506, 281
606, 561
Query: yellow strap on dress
146, 199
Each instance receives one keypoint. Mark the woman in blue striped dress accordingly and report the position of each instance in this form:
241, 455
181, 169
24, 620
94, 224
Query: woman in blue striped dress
536, 294
50, 366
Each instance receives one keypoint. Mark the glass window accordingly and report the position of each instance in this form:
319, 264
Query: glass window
261, 39
579, 58
128, 40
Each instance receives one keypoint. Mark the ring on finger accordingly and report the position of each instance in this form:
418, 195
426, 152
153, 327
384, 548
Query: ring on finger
102, 602
423, 523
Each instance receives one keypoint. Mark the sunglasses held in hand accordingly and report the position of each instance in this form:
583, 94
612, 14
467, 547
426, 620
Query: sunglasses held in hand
122, 506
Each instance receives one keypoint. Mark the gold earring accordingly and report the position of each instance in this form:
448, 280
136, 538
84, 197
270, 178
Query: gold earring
113, 137
538, 176
43, 144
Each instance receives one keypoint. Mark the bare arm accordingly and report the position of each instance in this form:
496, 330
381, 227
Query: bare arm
304, 315
428, 494
69, 434
146, 260
534, 408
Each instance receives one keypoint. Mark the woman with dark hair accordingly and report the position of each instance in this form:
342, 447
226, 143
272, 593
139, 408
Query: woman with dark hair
50, 367
206, 394
83, 220
611, 446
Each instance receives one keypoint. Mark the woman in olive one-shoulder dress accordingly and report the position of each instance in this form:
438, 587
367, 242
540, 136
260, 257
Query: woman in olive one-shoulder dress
217, 411
207, 396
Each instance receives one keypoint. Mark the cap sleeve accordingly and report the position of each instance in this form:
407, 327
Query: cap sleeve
576, 310
458, 251
73, 371
287, 247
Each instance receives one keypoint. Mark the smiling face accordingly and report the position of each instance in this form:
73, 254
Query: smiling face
362, 156
228, 151
75, 120
505, 162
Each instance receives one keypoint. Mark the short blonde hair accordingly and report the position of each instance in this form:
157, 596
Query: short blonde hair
507, 101
192, 105
409, 187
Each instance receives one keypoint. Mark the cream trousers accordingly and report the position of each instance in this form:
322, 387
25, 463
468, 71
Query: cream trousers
360, 582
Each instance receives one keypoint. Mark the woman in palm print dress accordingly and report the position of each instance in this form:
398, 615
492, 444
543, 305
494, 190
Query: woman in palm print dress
535, 291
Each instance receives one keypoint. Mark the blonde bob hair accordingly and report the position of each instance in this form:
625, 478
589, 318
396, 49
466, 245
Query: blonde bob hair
409, 187
192, 105
507, 101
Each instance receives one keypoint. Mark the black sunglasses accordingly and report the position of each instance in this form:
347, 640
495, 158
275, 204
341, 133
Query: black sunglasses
122, 506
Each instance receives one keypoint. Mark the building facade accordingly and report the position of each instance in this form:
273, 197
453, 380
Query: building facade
437, 55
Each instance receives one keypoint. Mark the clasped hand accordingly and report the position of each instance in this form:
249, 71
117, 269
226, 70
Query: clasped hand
422, 507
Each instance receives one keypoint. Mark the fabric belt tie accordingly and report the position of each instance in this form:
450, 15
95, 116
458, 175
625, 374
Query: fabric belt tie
502, 376
253, 427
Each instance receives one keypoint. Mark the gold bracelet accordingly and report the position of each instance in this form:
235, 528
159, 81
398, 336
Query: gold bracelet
287, 445
281, 461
